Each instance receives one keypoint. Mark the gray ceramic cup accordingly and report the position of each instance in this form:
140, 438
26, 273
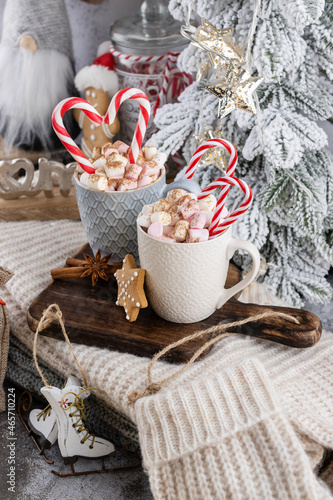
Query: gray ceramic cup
109, 219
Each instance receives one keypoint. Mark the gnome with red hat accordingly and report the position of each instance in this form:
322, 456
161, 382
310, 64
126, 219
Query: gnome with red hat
99, 82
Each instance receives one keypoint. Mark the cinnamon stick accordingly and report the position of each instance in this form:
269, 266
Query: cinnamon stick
76, 272
67, 272
75, 262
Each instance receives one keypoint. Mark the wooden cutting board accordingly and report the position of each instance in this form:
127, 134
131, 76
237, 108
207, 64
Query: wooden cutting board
92, 318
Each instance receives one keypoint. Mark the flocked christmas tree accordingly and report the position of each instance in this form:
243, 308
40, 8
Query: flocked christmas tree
284, 160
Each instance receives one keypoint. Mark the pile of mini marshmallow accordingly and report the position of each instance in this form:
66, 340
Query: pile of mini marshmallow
180, 217
114, 172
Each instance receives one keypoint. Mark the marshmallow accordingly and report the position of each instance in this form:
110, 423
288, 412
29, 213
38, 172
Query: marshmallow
175, 194
160, 159
140, 160
208, 203
116, 157
105, 147
84, 178
162, 217
197, 235
96, 153
167, 239
209, 216
144, 180
80, 169
150, 168
132, 171
167, 230
144, 220
98, 182
198, 221
126, 184
175, 213
100, 171
189, 209
115, 169
161, 205
180, 230
100, 162
121, 147
109, 151
186, 198
155, 230
147, 209
154, 177
112, 184
149, 152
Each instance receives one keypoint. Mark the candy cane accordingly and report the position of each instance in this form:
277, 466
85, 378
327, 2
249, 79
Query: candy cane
117, 100
213, 143
58, 126
171, 63
217, 228
131, 58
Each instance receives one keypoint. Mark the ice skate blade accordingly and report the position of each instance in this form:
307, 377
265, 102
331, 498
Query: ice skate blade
69, 460
45, 444
103, 470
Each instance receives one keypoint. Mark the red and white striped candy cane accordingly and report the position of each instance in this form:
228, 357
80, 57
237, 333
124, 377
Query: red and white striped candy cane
166, 93
131, 58
142, 99
213, 143
216, 228
171, 64
58, 125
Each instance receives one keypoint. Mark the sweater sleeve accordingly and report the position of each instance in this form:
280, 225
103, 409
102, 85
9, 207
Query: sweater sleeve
224, 437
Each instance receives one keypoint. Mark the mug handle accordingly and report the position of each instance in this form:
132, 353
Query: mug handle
233, 245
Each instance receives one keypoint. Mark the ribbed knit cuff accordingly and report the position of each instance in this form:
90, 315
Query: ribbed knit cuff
176, 422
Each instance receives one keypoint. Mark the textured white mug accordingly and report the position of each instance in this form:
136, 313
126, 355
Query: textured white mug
185, 282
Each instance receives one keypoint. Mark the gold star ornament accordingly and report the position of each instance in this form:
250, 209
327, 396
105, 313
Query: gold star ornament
213, 156
235, 93
220, 42
131, 294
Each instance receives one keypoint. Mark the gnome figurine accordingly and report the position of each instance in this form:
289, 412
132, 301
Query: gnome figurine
99, 82
37, 71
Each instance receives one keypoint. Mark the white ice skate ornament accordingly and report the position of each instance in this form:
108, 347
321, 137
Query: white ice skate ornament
66, 412
74, 439
44, 423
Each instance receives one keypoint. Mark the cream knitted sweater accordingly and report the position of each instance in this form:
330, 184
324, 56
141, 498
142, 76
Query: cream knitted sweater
249, 421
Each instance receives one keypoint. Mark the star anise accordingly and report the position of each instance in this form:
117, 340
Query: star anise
95, 267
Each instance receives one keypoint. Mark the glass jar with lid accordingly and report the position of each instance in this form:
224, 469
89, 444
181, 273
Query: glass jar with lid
142, 46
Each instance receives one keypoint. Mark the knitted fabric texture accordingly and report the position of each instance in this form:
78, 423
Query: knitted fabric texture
277, 393
224, 436
46, 21
102, 420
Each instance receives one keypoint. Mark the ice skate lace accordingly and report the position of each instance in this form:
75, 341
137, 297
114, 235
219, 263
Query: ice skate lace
79, 404
44, 413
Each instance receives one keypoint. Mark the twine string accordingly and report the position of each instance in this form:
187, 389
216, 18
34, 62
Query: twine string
51, 314
219, 330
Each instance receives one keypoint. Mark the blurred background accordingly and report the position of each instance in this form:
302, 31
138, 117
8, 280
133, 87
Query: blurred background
90, 24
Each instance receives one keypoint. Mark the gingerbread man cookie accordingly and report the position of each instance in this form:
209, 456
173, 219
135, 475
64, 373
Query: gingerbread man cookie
99, 82
131, 295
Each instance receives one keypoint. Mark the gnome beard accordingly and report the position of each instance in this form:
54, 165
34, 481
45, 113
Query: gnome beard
31, 84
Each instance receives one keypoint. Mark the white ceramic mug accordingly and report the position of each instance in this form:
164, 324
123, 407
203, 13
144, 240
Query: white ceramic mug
185, 282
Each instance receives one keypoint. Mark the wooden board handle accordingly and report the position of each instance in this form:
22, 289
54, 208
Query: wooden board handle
305, 334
